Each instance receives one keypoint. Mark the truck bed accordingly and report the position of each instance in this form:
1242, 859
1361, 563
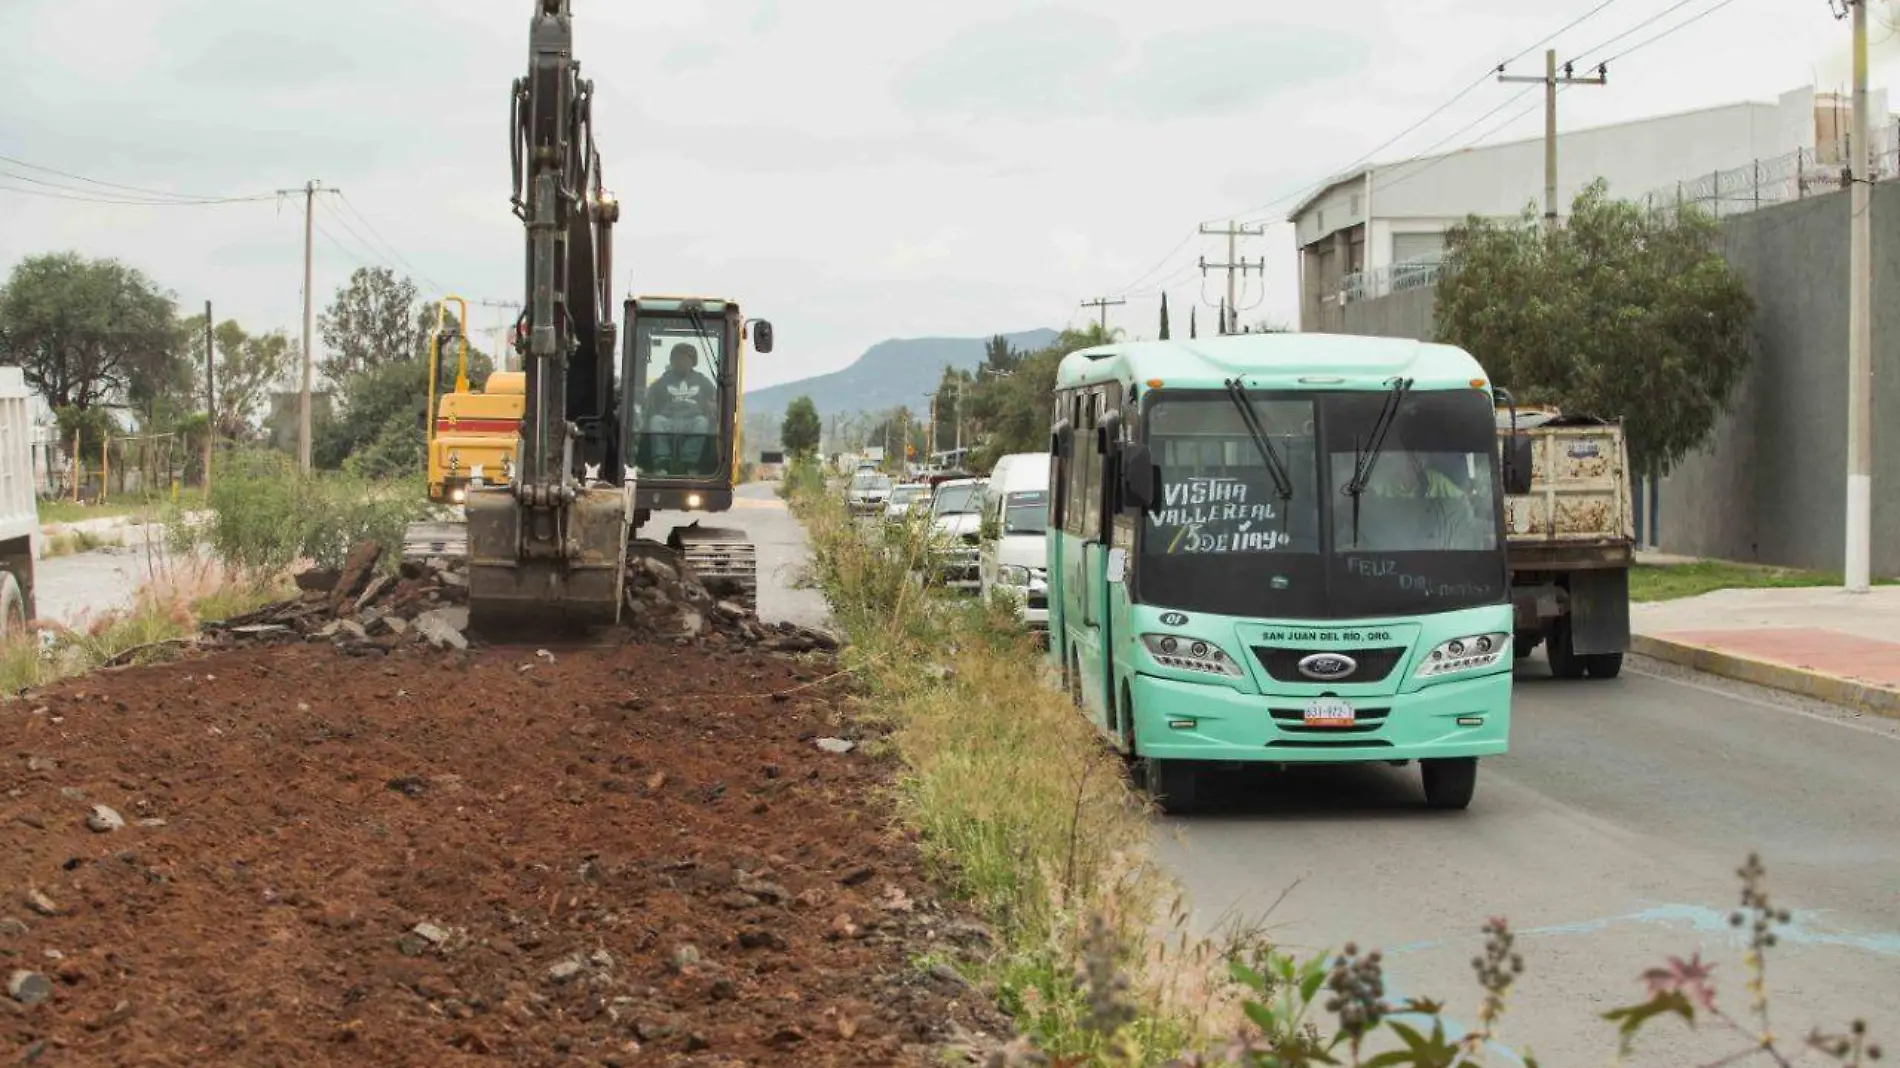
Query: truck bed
1578, 511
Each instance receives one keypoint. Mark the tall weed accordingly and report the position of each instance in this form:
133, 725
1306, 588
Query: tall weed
263, 513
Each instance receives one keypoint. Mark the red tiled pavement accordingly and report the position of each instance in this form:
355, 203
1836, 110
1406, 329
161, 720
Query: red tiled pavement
1827, 652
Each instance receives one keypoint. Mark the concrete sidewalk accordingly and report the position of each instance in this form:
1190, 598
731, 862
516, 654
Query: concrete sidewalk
1821, 642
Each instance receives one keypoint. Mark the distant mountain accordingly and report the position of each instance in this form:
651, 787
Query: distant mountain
889, 373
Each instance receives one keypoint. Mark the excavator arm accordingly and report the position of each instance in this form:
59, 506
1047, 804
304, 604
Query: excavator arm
552, 542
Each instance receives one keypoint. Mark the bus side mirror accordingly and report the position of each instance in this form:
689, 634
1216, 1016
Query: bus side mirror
1061, 438
1517, 464
1138, 477
761, 336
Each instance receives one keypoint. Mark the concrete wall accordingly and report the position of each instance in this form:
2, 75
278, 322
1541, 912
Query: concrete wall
1407, 313
1769, 485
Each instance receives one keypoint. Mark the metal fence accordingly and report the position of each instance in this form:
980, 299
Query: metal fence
1387, 280
1766, 182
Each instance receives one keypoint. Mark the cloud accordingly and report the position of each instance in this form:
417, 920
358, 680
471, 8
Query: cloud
1058, 62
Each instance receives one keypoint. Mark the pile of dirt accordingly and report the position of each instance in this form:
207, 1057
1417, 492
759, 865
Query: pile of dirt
608, 855
365, 611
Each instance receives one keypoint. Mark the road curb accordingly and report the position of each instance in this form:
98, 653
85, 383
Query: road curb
1860, 696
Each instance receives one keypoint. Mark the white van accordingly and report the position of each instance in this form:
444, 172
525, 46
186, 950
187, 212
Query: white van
1015, 525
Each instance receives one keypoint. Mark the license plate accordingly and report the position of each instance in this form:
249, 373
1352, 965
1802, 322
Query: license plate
1328, 712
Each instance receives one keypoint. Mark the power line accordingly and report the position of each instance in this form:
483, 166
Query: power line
1571, 25
129, 188
375, 253
387, 244
1651, 20
1428, 164
1647, 41
65, 193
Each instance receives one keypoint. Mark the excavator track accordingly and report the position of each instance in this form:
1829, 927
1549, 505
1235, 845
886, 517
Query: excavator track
726, 563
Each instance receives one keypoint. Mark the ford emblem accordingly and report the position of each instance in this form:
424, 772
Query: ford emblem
1327, 665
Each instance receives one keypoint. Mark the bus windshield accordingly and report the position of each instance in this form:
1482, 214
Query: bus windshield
1427, 533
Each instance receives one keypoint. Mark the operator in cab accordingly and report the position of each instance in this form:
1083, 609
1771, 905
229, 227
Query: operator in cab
684, 405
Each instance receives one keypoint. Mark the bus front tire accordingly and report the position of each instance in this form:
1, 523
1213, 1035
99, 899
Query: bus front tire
1175, 785
1449, 782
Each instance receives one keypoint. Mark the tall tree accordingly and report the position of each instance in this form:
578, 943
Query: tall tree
89, 332
1620, 313
370, 322
802, 427
1164, 317
999, 356
246, 366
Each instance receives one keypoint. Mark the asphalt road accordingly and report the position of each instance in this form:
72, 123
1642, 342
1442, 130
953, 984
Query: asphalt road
1609, 836
783, 550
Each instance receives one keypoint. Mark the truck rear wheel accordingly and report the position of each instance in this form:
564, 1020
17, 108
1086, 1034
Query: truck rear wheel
1564, 663
1449, 782
1604, 665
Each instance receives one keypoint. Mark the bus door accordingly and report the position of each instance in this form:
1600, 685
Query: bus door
1055, 548
1088, 572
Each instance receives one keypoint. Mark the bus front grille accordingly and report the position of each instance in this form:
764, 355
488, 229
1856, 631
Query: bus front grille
1370, 665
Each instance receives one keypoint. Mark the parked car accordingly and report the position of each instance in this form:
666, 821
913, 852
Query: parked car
955, 517
1013, 545
905, 498
868, 492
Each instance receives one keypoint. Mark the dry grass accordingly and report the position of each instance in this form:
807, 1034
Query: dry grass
1021, 808
175, 596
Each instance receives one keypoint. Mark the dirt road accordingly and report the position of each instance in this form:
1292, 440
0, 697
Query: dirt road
606, 855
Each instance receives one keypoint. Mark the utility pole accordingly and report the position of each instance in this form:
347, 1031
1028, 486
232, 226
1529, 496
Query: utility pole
1860, 331
1104, 304
310, 190
211, 401
309, 322
1234, 263
1551, 81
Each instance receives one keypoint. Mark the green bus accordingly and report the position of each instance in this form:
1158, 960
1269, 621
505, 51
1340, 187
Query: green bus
1278, 549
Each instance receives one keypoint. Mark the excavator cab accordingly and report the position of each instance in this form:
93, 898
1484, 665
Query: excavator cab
680, 382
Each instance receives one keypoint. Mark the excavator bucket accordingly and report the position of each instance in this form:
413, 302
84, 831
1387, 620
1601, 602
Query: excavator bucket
516, 592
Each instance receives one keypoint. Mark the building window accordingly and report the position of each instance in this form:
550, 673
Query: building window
1358, 203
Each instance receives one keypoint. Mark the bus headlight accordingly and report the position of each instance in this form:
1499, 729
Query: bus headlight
1190, 654
458, 495
1469, 653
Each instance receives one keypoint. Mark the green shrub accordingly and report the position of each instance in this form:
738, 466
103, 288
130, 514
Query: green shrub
262, 513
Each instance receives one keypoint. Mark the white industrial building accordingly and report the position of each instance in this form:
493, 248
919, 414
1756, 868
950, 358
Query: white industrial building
1382, 226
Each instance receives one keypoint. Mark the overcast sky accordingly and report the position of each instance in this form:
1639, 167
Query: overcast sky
851, 170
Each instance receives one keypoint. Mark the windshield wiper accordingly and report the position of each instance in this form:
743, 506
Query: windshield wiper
1365, 457
1256, 429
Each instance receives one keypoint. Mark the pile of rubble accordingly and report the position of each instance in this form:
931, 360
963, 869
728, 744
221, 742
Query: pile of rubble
367, 611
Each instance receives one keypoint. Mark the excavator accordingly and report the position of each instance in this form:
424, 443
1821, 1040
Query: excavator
614, 425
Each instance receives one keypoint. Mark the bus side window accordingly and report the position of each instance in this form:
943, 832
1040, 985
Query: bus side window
1088, 491
1075, 509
